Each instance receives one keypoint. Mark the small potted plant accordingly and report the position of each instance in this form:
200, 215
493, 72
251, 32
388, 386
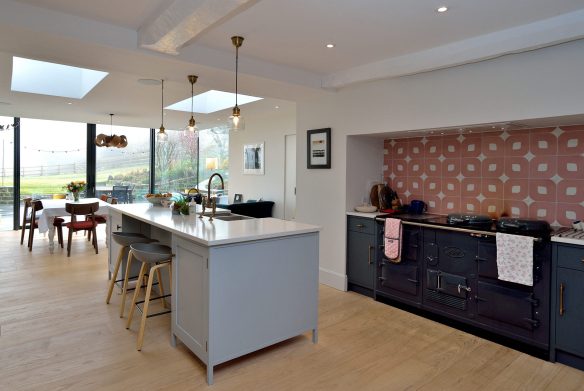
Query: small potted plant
180, 205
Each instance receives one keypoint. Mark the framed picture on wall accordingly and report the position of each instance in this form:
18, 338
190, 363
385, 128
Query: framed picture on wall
253, 159
318, 145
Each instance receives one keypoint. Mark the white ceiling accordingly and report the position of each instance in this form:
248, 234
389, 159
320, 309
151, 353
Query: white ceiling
283, 57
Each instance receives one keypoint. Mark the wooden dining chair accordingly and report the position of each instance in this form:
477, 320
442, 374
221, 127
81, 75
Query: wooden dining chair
88, 210
102, 219
27, 218
35, 206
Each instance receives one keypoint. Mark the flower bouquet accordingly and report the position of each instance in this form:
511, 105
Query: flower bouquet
75, 187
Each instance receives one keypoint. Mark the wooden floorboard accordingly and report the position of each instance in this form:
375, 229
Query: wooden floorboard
57, 333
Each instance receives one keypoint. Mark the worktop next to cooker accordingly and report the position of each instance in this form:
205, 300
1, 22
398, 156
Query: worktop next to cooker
439, 221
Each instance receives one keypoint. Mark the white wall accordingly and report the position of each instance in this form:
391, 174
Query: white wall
271, 130
544, 83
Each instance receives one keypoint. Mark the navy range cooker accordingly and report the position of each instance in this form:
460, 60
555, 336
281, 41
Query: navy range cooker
449, 267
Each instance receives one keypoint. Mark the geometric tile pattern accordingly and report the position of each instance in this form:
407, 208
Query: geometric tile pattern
535, 173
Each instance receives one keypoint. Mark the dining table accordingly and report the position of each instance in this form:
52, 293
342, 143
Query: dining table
56, 208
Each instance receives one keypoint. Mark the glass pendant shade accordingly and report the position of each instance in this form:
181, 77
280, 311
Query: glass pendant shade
236, 122
192, 127
161, 136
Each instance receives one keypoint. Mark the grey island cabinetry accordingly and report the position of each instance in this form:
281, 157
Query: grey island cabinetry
568, 305
238, 286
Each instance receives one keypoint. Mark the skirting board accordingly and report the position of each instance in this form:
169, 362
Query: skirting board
332, 279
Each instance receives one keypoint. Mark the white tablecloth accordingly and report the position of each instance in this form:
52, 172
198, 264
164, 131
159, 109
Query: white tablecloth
55, 208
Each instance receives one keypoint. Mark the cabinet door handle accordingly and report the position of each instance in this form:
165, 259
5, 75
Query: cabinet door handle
562, 299
360, 225
118, 226
369, 255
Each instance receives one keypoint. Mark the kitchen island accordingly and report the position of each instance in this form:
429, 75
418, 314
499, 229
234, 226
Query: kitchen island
237, 286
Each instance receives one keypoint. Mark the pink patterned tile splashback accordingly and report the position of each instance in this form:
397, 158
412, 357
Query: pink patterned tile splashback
535, 173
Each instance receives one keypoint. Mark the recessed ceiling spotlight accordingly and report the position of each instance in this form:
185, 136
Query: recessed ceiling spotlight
442, 9
330, 45
69, 103
276, 107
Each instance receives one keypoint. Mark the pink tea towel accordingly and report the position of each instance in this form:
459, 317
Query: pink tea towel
392, 239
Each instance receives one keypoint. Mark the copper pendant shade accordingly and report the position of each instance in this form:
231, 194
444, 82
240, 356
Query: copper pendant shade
113, 140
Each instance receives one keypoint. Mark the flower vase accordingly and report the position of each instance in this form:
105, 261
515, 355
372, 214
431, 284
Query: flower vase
76, 196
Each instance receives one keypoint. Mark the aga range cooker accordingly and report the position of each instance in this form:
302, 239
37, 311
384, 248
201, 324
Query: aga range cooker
449, 267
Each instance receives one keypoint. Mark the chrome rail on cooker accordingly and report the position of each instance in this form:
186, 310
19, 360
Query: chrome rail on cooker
473, 232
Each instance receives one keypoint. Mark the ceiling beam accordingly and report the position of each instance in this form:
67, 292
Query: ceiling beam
536, 35
184, 20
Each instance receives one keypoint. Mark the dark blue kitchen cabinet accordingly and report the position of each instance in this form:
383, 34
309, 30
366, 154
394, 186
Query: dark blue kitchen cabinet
568, 305
361, 244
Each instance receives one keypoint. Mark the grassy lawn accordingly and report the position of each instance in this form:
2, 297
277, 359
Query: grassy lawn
52, 184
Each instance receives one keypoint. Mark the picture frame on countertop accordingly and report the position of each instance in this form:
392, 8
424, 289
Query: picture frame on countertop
318, 146
253, 159
237, 198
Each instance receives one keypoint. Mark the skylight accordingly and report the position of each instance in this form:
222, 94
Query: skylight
212, 101
46, 78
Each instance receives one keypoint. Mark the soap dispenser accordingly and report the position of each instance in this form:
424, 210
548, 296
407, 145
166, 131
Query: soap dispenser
192, 206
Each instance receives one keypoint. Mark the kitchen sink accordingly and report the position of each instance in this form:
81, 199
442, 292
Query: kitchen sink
232, 217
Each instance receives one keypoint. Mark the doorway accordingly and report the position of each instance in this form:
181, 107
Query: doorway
290, 178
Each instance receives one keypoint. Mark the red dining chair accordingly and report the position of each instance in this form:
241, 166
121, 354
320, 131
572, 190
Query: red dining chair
88, 210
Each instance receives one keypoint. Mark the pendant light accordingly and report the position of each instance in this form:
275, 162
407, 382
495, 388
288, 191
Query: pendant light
236, 121
113, 140
161, 136
192, 124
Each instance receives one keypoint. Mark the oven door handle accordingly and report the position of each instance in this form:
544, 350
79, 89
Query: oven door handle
462, 287
562, 299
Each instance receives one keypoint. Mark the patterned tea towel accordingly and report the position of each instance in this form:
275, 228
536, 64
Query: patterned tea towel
515, 258
392, 239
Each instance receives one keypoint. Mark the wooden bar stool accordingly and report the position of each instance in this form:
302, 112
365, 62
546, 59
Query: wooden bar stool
124, 239
155, 256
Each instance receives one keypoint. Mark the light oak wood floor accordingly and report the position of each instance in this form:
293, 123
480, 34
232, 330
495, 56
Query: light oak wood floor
57, 333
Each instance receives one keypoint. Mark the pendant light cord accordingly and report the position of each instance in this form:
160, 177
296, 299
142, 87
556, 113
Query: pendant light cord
236, 71
192, 93
111, 124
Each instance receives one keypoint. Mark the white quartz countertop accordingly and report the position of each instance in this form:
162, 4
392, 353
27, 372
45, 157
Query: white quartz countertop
216, 232
371, 215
